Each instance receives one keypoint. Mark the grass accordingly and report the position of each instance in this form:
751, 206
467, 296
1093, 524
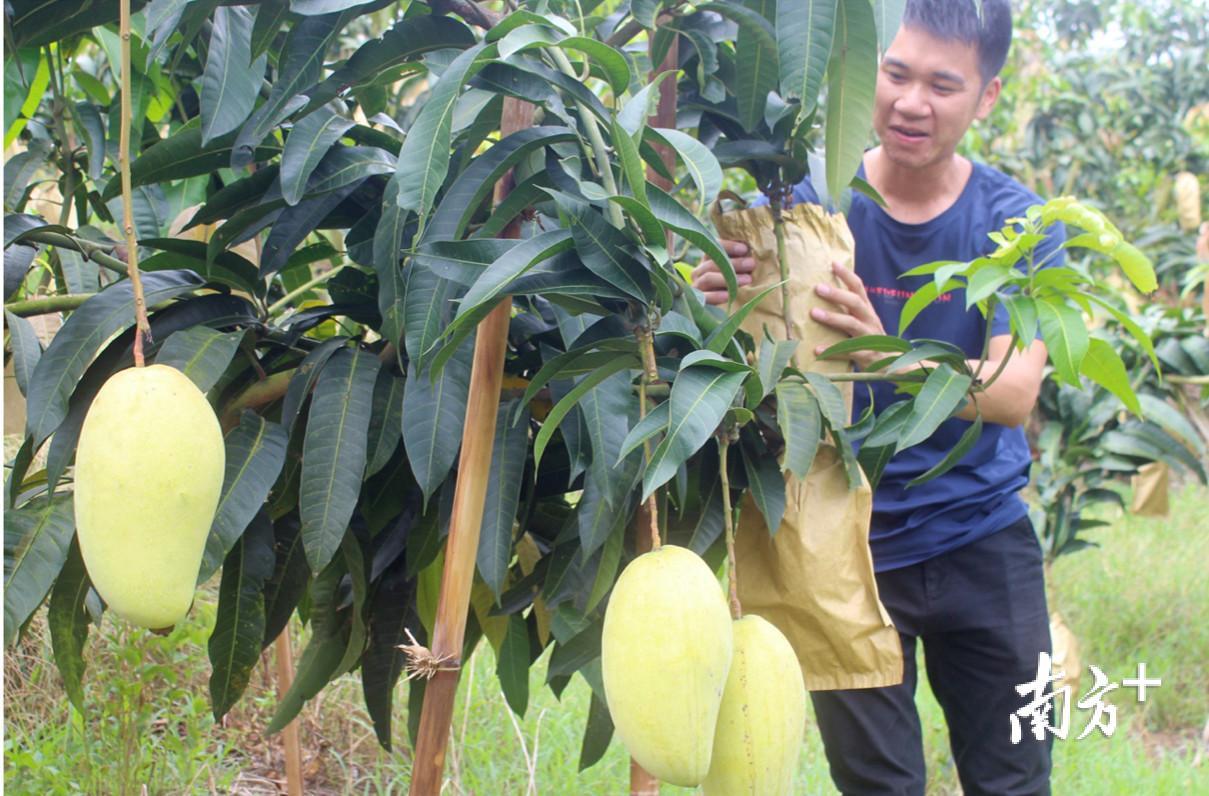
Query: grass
1142, 596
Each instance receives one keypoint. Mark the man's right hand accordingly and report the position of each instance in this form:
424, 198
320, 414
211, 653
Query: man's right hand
708, 279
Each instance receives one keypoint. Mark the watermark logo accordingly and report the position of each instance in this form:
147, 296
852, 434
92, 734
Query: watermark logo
1049, 710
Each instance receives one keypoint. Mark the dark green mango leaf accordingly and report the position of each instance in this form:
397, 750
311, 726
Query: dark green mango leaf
598, 732
37, 22
36, 541
313, 135
765, 481
384, 660
290, 578
503, 496
81, 337
1065, 334
434, 411
348, 165
963, 446
293, 224
386, 423
565, 404
387, 255
406, 41
303, 380
801, 426
723, 336
756, 58
231, 80
334, 452
607, 410
17, 262
255, 454
427, 308
462, 261
512, 667
27, 349
259, 187
698, 160
804, 32
67, 620
182, 155
606, 252
475, 184
699, 400
21, 168
941, 395
654, 422
852, 76
424, 160
673, 216
200, 353
234, 645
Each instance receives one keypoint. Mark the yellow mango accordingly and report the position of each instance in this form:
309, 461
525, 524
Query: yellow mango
665, 651
149, 471
762, 718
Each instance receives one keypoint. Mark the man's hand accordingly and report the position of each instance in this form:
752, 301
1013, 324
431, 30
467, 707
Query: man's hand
708, 279
855, 316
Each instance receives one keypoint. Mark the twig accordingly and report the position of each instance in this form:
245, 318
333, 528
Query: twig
736, 609
285, 300
96, 252
47, 304
142, 326
1002, 364
259, 393
468, 11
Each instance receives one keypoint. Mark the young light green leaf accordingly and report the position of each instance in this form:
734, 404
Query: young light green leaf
1065, 334
1103, 365
942, 393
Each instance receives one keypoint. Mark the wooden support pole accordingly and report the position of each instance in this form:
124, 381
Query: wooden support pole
474, 464
289, 736
642, 782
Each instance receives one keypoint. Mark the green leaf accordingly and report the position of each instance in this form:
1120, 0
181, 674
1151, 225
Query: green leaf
1103, 365
300, 66
631, 161
406, 41
1171, 420
889, 15
673, 216
804, 32
387, 254
512, 667
1131, 326
611, 61
955, 455
384, 661
476, 183
88, 329
292, 225
870, 342
699, 400
655, 421
434, 412
182, 155
644, 13
1022, 313
487, 290
255, 454
67, 620
942, 393
560, 409
234, 645
334, 453
313, 135
290, 578
386, 422
756, 61
424, 160
852, 75
27, 349
642, 104
201, 353
304, 378
231, 80
503, 496
36, 541
606, 252
719, 339
698, 160
801, 426
765, 481
1065, 334
925, 295
427, 308
598, 732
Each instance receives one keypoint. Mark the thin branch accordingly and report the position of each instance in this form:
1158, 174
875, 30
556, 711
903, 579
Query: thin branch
142, 326
99, 253
47, 304
468, 11
261, 393
285, 300
728, 519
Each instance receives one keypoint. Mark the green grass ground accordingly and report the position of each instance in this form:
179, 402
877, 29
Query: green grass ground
1141, 597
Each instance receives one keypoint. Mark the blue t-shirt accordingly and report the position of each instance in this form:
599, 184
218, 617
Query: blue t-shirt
980, 494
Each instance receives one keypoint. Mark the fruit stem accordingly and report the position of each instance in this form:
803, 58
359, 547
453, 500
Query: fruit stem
142, 327
728, 520
778, 226
645, 342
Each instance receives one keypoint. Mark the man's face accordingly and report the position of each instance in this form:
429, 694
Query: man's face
929, 91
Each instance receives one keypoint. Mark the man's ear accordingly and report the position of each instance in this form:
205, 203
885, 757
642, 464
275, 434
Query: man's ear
990, 95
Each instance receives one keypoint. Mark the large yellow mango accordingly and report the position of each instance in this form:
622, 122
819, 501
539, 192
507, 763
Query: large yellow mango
762, 718
149, 471
665, 651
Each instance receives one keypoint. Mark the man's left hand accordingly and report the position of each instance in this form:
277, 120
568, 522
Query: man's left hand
855, 316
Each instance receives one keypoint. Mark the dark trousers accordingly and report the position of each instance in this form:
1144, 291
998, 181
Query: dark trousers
980, 612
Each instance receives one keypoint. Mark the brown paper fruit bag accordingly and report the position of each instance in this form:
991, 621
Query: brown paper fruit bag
814, 578
1151, 489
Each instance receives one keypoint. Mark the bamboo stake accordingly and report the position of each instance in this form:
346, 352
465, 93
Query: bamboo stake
642, 782
289, 736
478, 438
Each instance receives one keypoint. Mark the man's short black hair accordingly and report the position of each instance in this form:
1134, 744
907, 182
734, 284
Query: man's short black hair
958, 20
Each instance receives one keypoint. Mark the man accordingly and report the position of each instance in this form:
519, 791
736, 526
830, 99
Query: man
958, 565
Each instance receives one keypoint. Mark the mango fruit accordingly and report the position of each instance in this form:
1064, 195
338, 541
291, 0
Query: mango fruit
762, 718
149, 472
665, 651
